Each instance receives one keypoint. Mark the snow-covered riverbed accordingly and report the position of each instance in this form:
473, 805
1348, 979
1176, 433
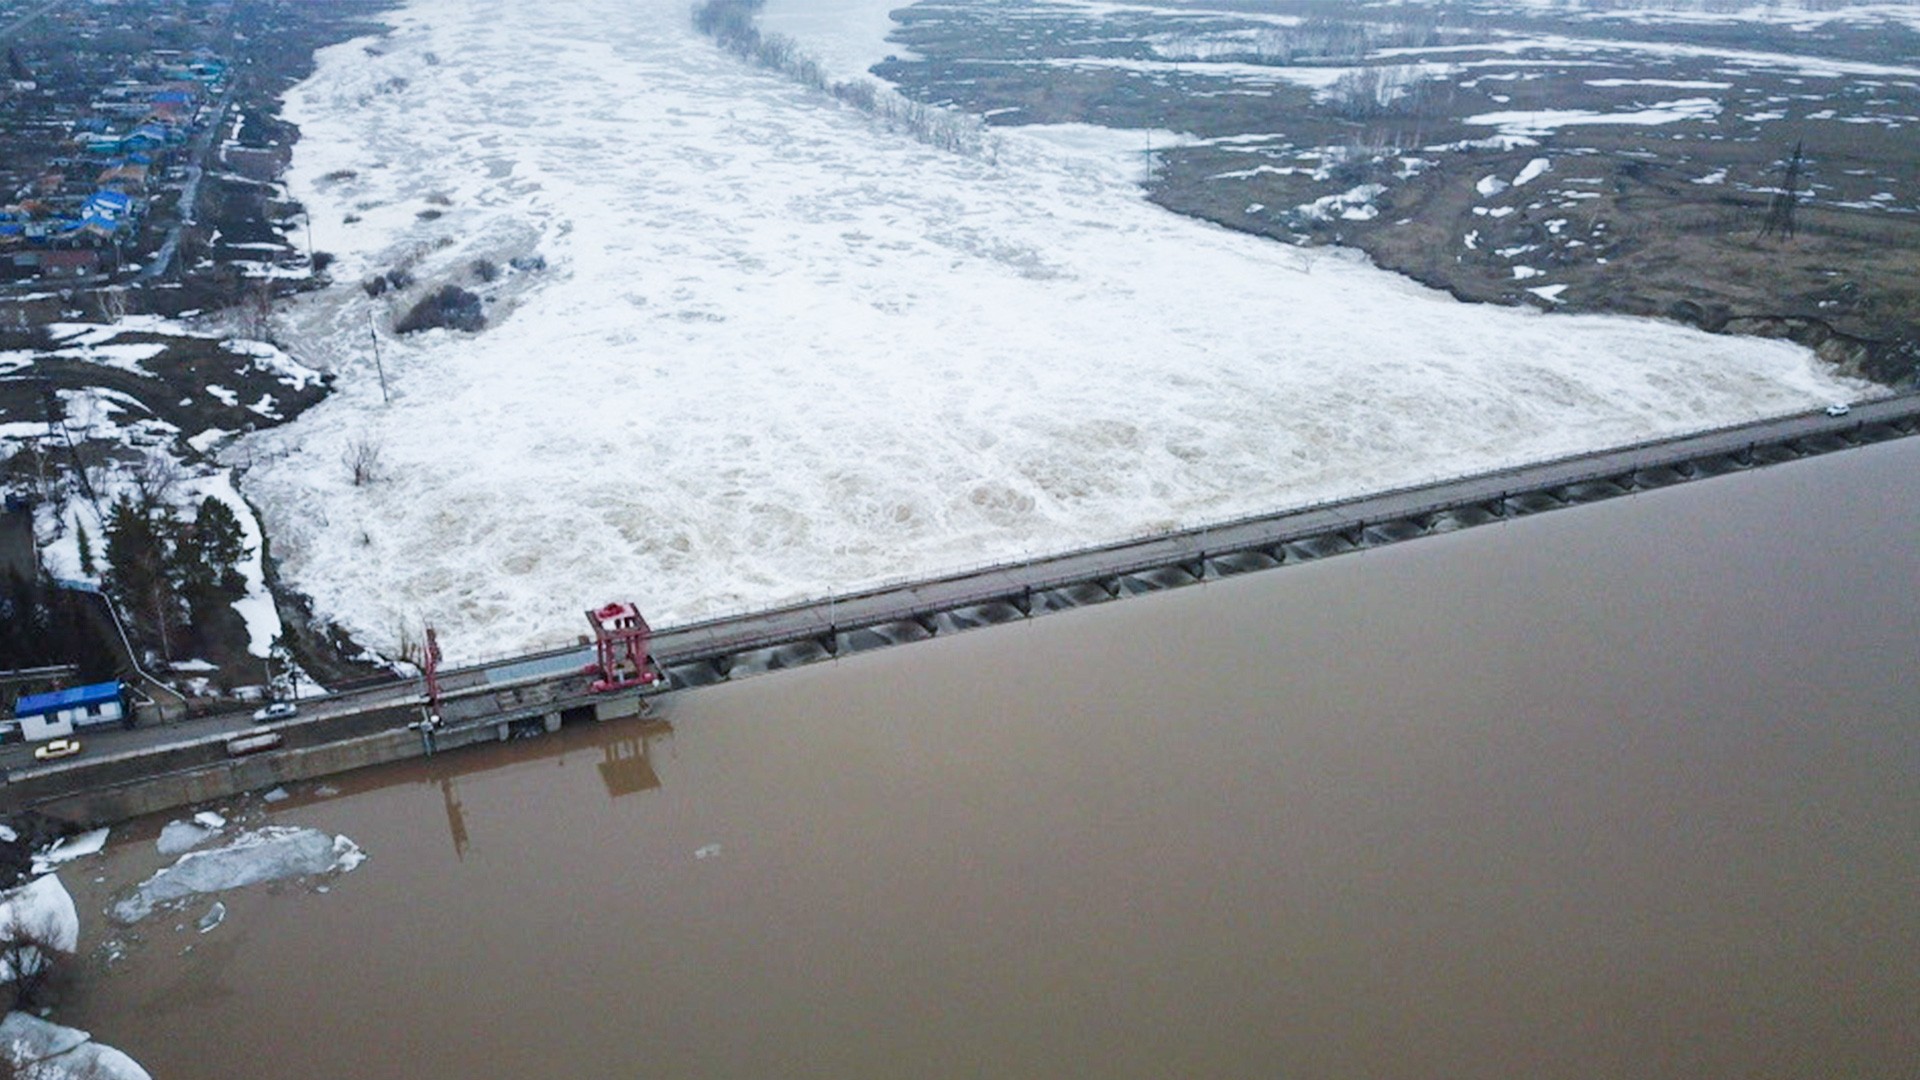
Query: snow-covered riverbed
776, 351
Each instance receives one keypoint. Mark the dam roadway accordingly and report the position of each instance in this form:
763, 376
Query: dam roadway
125, 773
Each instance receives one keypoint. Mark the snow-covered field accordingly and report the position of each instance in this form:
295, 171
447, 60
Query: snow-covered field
777, 351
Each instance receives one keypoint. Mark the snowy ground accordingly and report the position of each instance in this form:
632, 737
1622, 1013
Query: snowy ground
104, 416
777, 351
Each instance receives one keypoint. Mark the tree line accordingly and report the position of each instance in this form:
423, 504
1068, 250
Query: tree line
731, 24
173, 578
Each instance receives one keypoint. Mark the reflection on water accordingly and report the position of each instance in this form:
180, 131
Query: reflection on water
625, 768
456, 821
1624, 790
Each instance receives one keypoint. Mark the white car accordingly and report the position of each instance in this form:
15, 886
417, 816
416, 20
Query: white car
58, 748
1838, 408
279, 710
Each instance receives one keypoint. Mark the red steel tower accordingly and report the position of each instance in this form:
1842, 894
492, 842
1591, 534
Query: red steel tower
620, 641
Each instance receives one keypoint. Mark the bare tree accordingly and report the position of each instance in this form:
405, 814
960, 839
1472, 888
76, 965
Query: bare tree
113, 304
154, 478
29, 956
256, 311
362, 459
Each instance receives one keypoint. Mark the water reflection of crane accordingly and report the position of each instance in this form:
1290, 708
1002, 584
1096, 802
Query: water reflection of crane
625, 768
456, 818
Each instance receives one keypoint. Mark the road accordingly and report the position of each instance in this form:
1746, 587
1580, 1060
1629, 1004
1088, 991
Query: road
189, 193
13, 27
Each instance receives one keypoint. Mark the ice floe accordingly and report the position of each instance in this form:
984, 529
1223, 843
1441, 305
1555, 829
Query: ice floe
42, 1050
272, 853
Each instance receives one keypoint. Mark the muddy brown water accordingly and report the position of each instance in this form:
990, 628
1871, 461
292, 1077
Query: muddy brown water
1631, 790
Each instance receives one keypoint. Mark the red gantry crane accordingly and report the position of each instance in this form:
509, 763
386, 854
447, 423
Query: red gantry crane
430, 667
621, 638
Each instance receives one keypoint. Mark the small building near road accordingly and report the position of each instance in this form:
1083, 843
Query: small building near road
67, 263
56, 715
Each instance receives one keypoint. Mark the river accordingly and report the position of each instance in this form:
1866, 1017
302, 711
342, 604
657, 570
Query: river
1623, 790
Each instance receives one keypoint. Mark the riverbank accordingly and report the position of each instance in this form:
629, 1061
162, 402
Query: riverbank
1603, 160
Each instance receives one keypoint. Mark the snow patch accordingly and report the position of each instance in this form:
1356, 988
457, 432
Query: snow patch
256, 608
45, 909
1354, 204
1544, 121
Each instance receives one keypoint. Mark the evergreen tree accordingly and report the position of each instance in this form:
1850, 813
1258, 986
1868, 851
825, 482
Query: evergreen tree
221, 544
203, 564
19, 646
85, 543
138, 563
195, 581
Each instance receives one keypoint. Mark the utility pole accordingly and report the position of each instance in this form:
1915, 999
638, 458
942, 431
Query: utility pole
377, 366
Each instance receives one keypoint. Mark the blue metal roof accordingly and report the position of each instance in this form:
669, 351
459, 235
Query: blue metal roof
35, 704
111, 202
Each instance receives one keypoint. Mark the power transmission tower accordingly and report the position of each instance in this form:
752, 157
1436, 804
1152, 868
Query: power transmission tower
1780, 210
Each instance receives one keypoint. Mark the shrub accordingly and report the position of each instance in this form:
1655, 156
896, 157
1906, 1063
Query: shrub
450, 306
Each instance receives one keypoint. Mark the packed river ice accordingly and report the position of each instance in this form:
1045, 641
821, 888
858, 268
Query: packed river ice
777, 350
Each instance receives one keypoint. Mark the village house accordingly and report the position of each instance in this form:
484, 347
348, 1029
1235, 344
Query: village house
38, 717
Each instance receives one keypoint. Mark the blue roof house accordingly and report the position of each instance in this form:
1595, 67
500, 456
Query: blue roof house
105, 212
55, 715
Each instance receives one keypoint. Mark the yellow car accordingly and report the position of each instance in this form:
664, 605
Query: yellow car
58, 748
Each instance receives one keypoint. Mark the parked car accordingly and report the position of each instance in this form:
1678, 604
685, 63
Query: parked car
278, 710
57, 748
1838, 408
